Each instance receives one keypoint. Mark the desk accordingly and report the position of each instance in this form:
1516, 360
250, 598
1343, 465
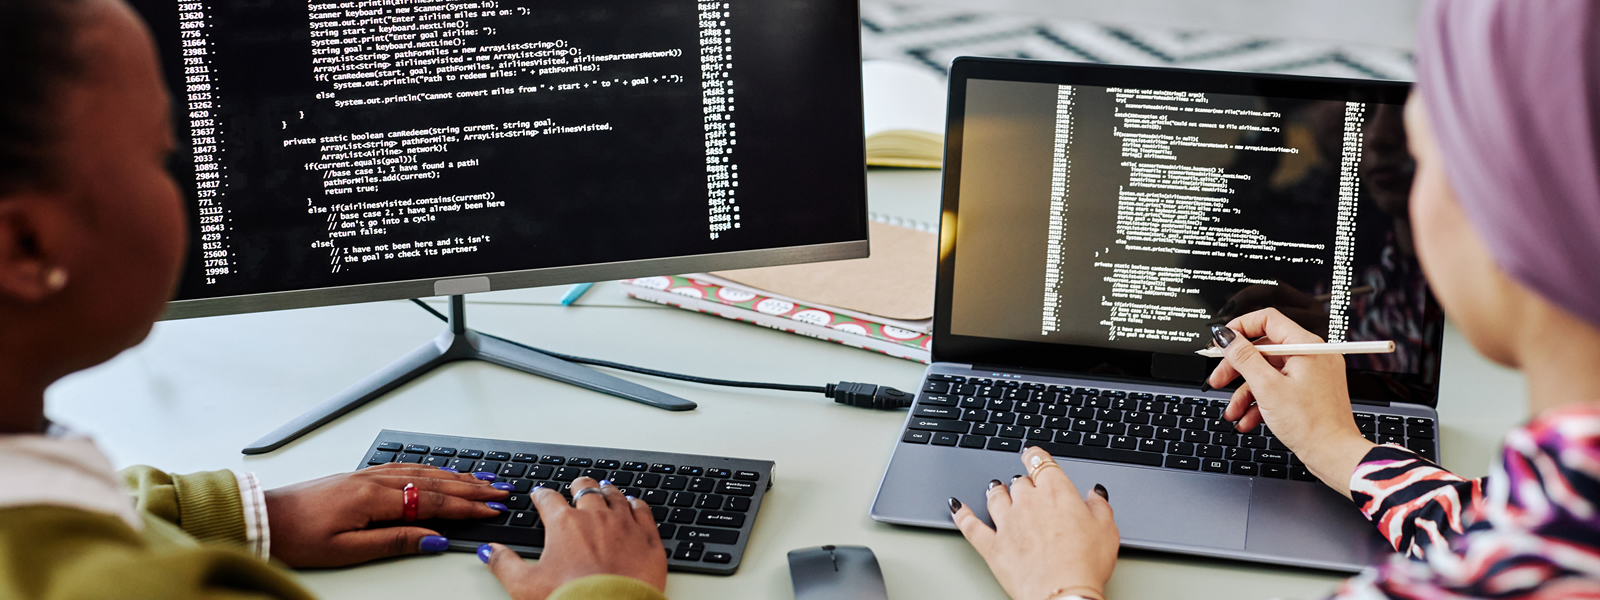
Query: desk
197, 391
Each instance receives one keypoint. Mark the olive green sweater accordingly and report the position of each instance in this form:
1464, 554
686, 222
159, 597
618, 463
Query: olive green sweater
192, 546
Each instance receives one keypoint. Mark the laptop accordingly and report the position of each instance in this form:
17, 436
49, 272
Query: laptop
1096, 220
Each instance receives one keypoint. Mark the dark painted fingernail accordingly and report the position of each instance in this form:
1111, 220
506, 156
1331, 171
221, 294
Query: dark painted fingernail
1014, 478
448, 469
1206, 387
1104, 495
484, 552
992, 484
485, 476
1222, 335
497, 506
955, 505
503, 486
434, 543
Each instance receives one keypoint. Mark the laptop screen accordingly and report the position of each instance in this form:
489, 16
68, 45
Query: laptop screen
1130, 215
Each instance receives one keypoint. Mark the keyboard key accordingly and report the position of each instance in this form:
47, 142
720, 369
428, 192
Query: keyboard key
540, 471
938, 425
973, 441
1301, 474
1275, 471
1136, 418
1419, 431
709, 501
720, 519
1189, 463
681, 515
937, 387
1244, 468
674, 482
985, 429
1054, 410
1002, 417
1219, 426
944, 377
1391, 429
523, 518
1000, 404
382, 457
1419, 421
1423, 447
607, 464
1027, 408
500, 456
1114, 428
524, 457
1124, 442
1068, 437
1096, 439
1005, 444
1272, 457
661, 468
1164, 420
1208, 451
971, 402
1169, 433
1213, 465
634, 466
1141, 431
719, 473
917, 437
566, 474
1254, 442
1365, 416
937, 400
1030, 420
709, 536
1150, 445
436, 461
736, 488
1180, 448
1085, 425
411, 458
682, 499
666, 530
1036, 433
718, 557
655, 497
1382, 439
1239, 454
937, 412
702, 485
1391, 419
1225, 439
517, 502
1196, 436
513, 470
521, 486
552, 460
739, 504
417, 449
390, 446
1105, 454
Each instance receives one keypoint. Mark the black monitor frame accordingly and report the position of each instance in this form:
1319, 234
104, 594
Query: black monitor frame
1366, 386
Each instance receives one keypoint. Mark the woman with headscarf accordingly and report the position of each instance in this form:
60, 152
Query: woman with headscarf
1505, 208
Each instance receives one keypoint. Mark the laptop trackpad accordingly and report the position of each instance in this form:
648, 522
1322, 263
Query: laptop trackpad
1173, 507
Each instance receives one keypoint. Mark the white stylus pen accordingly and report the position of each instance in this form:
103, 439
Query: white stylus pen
1383, 347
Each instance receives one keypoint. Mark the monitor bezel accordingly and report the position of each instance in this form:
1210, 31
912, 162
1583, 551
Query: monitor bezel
1095, 362
509, 280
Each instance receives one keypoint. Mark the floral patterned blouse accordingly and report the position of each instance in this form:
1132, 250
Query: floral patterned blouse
1530, 530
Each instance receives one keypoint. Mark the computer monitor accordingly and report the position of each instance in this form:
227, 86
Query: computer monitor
347, 151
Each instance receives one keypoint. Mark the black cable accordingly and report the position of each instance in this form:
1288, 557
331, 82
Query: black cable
864, 395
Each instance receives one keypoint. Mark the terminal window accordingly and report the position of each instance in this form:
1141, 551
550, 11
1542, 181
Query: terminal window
342, 142
1134, 218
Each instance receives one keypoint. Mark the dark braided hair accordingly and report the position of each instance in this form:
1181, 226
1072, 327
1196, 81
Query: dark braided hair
37, 58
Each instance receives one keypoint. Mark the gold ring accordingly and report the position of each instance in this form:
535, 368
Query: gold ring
1039, 466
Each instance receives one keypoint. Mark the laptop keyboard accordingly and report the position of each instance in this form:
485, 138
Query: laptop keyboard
1121, 426
704, 506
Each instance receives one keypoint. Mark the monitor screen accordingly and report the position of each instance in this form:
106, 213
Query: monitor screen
358, 142
1133, 216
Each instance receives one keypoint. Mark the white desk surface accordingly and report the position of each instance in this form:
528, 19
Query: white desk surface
197, 391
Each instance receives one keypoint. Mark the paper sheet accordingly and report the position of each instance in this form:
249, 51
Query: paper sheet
896, 282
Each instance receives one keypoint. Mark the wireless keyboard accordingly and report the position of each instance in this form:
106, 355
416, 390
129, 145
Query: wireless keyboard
705, 506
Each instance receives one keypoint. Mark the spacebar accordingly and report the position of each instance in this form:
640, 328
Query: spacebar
1149, 459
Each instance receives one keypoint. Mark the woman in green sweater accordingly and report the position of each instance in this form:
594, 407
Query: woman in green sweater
92, 237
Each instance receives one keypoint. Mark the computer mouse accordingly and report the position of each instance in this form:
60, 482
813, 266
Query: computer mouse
836, 573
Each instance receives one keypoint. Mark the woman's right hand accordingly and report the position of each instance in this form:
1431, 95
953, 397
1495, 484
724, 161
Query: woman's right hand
604, 534
1303, 399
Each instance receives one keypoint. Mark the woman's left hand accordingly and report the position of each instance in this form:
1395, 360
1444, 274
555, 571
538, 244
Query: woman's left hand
324, 522
1045, 537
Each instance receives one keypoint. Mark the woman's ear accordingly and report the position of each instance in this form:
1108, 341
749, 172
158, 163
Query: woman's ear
36, 244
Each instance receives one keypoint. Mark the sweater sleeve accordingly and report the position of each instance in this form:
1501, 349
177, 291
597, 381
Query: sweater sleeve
205, 505
606, 587
1415, 504
56, 553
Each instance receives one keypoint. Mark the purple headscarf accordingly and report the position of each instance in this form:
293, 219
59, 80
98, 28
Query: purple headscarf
1513, 92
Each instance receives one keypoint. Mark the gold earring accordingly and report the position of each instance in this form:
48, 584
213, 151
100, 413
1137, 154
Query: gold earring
56, 279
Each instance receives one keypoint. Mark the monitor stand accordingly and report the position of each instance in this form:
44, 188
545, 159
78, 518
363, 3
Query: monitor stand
459, 343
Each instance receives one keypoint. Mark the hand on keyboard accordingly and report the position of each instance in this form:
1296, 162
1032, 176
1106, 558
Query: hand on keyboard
604, 534
324, 522
1302, 399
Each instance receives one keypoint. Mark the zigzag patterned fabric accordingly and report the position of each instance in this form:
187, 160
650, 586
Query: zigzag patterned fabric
931, 36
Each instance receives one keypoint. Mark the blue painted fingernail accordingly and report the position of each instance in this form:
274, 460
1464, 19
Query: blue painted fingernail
484, 475
435, 543
605, 482
448, 469
497, 506
630, 498
484, 552
503, 486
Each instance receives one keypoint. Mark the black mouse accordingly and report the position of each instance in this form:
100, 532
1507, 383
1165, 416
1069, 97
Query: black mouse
836, 573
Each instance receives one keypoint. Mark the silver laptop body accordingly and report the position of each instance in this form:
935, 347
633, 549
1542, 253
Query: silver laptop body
1101, 224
